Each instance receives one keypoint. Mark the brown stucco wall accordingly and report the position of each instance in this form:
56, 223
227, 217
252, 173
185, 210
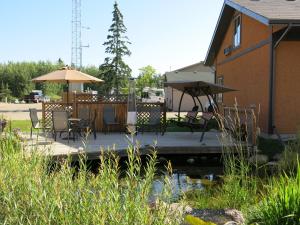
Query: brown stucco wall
249, 73
287, 89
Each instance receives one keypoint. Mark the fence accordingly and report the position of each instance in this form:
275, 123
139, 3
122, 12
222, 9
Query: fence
97, 103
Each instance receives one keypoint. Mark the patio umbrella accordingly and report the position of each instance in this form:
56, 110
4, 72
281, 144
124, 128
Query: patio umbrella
67, 75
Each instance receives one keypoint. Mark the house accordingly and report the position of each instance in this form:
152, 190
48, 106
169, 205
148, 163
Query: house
256, 49
195, 72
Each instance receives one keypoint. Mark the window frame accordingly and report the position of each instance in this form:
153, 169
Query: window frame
219, 97
237, 17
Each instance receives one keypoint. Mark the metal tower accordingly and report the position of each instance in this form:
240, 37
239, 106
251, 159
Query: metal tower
76, 58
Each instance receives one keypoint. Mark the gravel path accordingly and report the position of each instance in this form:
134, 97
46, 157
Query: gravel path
18, 111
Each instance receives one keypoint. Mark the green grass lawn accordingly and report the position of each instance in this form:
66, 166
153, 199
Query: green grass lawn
24, 125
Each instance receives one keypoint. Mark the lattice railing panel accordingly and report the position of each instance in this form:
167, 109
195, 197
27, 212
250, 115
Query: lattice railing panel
115, 98
150, 112
49, 107
86, 97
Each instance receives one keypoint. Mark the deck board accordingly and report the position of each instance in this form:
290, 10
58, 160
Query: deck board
169, 143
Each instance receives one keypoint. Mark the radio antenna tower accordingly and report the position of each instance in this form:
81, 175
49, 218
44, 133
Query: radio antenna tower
76, 58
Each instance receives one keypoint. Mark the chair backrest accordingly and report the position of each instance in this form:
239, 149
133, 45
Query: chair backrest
193, 114
34, 117
60, 120
154, 117
84, 114
109, 114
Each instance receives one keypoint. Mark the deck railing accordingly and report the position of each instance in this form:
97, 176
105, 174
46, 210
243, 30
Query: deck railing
97, 103
243, 119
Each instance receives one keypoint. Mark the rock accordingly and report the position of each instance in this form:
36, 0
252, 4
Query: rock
190, 161
221, 216
277, 157
231, 223
259, 159
181, 208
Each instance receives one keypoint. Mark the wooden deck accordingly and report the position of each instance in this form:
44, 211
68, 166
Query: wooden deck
170, 143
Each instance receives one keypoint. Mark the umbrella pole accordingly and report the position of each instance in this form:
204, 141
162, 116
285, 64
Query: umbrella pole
68, 93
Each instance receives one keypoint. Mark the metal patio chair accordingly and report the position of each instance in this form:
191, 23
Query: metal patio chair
61, 124
35, 122
87, 120
109, 118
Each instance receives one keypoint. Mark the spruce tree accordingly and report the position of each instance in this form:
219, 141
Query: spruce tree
114, 70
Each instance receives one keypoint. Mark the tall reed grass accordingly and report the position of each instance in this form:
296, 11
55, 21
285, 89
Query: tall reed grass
281, 203
31, 193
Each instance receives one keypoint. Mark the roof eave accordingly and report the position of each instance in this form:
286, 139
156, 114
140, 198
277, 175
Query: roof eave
208, 60
248, 12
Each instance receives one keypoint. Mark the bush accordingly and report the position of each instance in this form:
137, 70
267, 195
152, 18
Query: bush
31, 193
281, 204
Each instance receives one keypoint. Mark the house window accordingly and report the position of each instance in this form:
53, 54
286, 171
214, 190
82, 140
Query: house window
220, 81
237, 32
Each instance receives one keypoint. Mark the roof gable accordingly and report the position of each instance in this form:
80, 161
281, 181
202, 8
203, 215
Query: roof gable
265, 11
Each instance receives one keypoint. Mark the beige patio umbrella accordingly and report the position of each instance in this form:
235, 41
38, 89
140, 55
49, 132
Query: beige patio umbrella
67, 75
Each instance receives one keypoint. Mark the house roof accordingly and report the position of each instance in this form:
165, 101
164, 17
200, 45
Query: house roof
265, 11
196, 67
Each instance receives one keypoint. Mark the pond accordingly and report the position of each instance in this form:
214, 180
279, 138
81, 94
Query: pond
188, 172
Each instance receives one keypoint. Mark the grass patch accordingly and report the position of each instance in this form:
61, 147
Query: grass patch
31, 193
281, 203
23, 125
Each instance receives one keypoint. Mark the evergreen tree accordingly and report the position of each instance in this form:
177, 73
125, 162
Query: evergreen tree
114, 70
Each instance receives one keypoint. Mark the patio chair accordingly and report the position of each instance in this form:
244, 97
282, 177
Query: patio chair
35, 122
88, 120
189, 119
154, 122
61, 124
195, 122
109, 118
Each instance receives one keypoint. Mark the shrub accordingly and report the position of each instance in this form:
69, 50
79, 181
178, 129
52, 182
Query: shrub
281, 204
31, 193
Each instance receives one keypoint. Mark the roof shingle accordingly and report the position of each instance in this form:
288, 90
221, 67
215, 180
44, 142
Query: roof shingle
273, 10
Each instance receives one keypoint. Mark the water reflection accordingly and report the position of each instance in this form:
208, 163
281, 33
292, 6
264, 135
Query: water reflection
187, 177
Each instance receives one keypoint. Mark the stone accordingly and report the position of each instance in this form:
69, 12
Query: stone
220, 217
277, 157
231, 223
190, 161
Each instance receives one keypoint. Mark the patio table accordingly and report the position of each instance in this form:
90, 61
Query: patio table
74, 123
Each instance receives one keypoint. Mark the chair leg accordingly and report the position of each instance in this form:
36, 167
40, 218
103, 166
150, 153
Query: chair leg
204, 130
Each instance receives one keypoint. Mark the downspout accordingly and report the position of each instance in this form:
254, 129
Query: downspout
273, 48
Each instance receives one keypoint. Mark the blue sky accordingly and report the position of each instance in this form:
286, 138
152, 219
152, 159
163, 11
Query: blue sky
167, 34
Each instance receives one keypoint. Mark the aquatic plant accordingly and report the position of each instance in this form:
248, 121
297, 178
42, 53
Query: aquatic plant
281, 203
34, 190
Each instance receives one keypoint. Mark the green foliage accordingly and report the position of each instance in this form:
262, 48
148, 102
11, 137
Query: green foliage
149, 77
281, 204
289, 159
4, 91
17, 76
114, 70
32, 193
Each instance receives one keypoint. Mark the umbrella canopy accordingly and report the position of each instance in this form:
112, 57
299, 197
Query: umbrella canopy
67, 75
198, 88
